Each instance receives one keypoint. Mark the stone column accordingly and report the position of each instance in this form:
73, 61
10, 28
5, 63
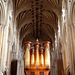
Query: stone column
10, 43
2, 28
18, 67
21, 67
72, 47
19, 60
20, 64
1, 35
1, 39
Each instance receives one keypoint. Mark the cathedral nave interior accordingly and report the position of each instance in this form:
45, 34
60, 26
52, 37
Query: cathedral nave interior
37, 37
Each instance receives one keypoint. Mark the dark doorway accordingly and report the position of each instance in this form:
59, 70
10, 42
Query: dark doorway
14, 67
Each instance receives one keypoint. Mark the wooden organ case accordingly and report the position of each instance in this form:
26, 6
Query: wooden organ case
37, 61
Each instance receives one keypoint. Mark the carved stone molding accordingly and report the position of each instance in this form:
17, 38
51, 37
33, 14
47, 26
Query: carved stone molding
10, 43
2, 25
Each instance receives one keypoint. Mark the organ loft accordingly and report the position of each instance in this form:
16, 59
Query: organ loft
37, 59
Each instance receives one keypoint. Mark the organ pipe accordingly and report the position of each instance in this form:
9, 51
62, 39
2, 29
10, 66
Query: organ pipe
47, 54
27, 54
37, 46
41, 58
32, 57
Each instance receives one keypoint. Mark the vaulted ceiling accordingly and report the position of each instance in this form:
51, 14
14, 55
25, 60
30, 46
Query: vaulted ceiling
37, 19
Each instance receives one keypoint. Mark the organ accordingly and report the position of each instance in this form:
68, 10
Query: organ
37, 60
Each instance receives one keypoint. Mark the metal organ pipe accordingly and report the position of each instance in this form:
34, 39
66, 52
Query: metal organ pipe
41, 58
37, 46
32, 57
47, 54
27, 54
37, 55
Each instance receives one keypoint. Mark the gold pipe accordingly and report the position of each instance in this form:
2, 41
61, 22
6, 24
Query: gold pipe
47, 54
27, 54
37, 46
37, 55
42, 59
32, 57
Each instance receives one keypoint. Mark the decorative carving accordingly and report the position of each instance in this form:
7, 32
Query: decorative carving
10, 42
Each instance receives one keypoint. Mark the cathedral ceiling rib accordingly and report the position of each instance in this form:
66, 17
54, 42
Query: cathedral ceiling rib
48, 17
47, 33
44, 37
37, 18
21, 5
